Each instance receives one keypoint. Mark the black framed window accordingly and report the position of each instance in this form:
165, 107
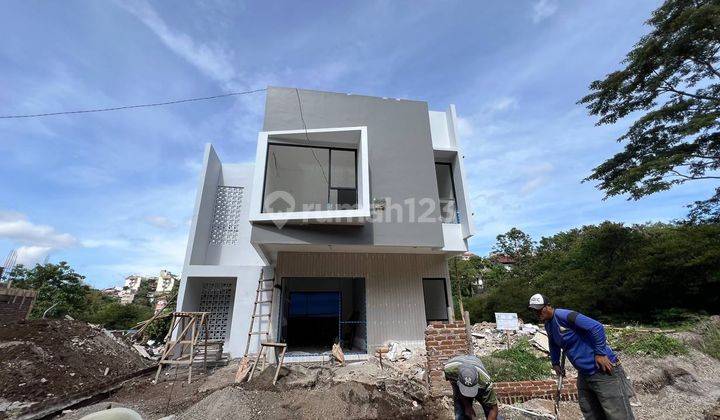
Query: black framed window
317, 178
436, 300
446, 192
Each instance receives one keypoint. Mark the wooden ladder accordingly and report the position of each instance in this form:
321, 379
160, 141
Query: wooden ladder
257, 314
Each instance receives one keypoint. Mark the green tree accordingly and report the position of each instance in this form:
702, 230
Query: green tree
671, 78
158, 329
141, 296
464, 275
116, 316
55, 284
648, 273
516, 244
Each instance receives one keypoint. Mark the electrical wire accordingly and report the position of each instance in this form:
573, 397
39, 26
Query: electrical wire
307, 137
118, 108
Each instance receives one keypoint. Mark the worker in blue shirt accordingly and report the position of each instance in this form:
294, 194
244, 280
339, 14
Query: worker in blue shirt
603, 388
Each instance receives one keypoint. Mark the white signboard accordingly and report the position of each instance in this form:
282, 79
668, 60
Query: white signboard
506, 321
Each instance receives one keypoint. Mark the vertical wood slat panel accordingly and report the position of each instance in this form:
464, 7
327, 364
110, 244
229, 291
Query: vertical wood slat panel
393, 282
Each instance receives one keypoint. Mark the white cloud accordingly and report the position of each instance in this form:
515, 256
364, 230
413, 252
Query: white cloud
543, 9
29, 255
16, 227
465, 127
161, 222
105, 243
212, 60
149, 255
502, 104
36, 241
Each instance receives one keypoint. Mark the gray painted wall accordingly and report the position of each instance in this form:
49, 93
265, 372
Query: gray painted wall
400, 158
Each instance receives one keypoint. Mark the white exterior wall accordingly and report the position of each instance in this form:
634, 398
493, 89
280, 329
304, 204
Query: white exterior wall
394, 292
443, 129
205, 262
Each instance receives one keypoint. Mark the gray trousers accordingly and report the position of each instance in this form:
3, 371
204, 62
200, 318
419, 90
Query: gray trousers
605, 397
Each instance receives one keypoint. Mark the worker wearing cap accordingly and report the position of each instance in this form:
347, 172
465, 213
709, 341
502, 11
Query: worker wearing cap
470, 382
603, 388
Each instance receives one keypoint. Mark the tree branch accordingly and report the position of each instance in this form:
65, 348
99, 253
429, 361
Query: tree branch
706, 64
669, 88
688, 177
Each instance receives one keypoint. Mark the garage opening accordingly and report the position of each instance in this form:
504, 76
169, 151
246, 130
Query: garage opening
318, 312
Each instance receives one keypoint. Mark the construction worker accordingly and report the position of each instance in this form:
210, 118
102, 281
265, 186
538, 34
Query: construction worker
603, 388
470, 382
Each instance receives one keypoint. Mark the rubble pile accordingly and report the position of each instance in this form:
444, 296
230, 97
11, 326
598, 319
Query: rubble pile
354, 390
45, 359
488, 339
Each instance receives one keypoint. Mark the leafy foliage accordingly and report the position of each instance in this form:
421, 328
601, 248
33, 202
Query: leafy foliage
116, 316
612, 272
60, 285
631, 341
671, 78
464, 275
158, 329
515, 244
519, 363
56, 284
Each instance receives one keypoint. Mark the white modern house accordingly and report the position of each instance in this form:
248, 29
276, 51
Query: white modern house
351, 208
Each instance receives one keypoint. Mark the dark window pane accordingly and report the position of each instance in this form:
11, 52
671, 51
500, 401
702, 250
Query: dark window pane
435, 296
446, 192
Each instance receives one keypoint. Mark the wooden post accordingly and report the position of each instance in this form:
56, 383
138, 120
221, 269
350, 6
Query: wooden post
280, 362
204, 323
468, 331
507, 336
192, 348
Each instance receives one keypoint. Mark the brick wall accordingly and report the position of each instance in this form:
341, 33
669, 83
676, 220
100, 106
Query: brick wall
445, 340
15, 304
442, 341
512, 392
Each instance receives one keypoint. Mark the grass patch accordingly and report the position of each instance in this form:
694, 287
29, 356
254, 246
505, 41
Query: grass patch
636, 342
711, 339
517, 364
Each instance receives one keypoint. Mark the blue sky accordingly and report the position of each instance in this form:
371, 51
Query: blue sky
112, 193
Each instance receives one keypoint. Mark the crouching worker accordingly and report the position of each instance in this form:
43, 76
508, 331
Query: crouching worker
470, 382
604, 390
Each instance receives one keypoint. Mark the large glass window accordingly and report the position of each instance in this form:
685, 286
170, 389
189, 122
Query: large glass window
317, 178
446, 192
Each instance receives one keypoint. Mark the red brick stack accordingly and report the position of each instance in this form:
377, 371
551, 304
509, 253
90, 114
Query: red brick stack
512, 392
443, 340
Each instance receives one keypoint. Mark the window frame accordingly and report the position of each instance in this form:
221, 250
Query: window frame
335, 137
311, 146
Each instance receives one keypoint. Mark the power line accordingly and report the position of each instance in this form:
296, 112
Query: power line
117, 108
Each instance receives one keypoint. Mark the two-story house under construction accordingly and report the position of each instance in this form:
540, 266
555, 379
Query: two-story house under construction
352, 207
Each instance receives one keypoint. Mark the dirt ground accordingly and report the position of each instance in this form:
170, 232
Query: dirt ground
676, 387
43, 359
357, 391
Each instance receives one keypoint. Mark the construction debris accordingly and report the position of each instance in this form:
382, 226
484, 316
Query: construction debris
338, 354
488, 339
540, 341
396, 352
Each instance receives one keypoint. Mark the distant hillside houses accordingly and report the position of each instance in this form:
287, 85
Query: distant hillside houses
156, 288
